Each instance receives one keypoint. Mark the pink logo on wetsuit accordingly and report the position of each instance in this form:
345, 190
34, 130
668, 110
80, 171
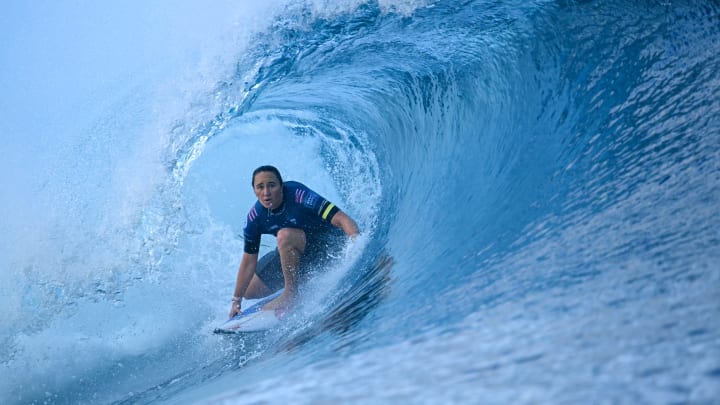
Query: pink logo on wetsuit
299, 195
252, 214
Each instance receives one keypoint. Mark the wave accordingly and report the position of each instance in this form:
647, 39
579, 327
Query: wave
536, 183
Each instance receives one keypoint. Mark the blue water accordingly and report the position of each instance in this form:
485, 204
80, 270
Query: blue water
537, 183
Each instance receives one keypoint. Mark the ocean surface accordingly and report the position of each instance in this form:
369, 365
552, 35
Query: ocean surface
537, 182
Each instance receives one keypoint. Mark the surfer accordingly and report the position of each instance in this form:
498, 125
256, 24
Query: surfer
307, 227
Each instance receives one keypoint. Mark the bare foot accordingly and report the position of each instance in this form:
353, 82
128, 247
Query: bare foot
282, 303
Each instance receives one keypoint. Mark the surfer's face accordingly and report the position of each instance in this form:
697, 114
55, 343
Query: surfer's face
268, 189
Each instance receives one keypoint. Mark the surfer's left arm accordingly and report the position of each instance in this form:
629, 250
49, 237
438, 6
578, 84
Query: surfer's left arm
347, 224
247, 268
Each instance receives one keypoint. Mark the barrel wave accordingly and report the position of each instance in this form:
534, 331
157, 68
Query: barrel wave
537, 185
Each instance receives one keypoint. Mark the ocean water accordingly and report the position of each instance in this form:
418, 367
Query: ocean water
538, 185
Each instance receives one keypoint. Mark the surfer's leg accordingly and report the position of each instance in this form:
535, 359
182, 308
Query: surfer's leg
257, 289
268, 276
291, 246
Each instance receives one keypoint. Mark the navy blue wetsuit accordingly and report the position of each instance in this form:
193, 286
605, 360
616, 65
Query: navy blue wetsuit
303, 209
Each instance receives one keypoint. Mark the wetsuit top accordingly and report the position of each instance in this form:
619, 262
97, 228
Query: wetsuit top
302, 208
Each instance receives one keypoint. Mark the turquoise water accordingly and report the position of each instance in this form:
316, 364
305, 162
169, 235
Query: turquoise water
537, 184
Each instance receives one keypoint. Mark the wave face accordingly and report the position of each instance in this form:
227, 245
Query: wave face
538, 186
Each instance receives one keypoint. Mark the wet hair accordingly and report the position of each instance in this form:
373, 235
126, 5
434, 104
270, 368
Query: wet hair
267, 168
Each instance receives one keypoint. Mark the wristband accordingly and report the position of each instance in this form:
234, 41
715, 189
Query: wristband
236, 299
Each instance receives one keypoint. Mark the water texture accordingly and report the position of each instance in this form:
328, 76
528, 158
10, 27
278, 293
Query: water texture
537, 183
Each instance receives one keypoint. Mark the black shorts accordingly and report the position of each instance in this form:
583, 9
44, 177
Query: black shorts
317, 256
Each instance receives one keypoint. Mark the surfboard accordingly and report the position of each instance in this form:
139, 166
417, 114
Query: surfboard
252, 319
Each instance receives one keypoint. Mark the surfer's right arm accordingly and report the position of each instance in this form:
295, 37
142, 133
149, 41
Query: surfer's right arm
247, 268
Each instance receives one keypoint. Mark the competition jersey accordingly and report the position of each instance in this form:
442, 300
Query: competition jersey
302, 208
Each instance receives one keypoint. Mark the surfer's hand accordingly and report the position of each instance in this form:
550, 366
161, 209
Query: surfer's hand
235, 309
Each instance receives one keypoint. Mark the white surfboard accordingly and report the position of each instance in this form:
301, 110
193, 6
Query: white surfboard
252, 319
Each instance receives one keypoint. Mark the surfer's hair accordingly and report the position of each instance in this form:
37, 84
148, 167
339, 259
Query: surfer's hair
267, 168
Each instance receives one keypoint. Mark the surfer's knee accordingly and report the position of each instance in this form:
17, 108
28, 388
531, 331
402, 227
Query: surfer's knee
291, 238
